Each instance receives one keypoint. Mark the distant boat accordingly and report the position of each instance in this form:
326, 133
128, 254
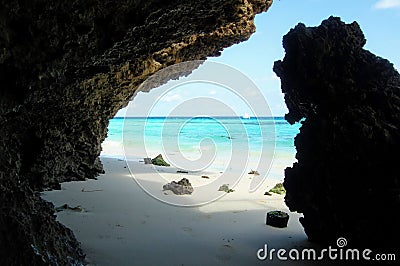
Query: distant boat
246, 116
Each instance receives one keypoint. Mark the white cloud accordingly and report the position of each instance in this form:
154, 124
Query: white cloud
171, 98
385, 4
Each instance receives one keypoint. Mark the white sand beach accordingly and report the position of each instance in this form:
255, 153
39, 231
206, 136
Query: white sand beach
120, 224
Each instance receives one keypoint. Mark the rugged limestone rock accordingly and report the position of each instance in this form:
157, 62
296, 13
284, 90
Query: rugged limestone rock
181, 187
347, 169
66, 67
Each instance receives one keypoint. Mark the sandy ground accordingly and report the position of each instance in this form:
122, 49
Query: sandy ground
118, 223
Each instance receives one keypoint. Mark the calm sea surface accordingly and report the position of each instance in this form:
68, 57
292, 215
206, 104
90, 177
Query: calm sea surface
217, 139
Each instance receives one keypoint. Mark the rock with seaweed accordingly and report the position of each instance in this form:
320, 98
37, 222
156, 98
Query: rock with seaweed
348, 101
159, 160
278, 219
278, 189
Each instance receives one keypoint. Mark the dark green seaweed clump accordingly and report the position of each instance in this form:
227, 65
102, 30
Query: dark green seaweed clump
277, 219
278, 189
159, 160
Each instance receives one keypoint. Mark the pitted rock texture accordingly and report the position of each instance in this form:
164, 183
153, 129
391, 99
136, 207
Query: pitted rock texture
66, 67
346, 180
181, 187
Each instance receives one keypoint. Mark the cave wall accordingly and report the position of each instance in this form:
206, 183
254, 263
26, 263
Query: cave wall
346, 180
66, 67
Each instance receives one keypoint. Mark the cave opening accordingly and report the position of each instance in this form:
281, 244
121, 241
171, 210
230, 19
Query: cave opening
247, 58
165, 103
67, 68
242, 124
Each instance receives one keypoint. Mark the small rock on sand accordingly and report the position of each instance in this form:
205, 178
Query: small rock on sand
278, 189
225, 188
180, 188
182, 171
277, 219
254, 172
159, 160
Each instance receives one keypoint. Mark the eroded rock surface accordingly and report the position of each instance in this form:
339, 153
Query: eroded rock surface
66, 67
182, 187
346, 181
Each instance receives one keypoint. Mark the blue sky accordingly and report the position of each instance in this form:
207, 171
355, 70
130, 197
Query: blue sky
379, 20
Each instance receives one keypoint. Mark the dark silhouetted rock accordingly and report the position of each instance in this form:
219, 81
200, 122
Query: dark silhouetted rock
277, 219
66, 68
159, 160
180, 188
347, 167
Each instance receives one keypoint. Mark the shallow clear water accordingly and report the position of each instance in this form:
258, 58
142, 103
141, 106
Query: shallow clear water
215, 140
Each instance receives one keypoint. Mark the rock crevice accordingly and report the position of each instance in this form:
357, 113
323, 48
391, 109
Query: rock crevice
65, 69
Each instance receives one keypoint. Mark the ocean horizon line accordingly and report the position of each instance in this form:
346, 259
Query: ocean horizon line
198, 117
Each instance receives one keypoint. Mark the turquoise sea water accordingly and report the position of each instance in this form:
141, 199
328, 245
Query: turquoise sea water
190, 138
